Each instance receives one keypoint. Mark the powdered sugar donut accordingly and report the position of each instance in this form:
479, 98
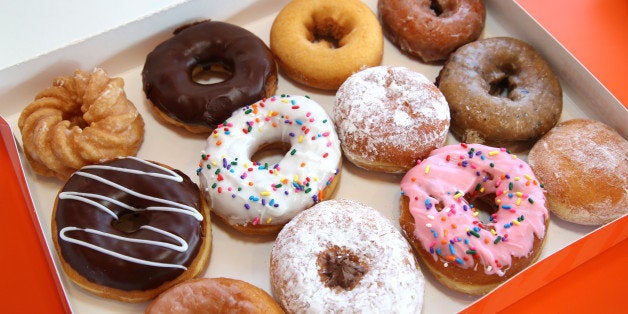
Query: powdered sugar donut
259, 198
388, 117
344, 256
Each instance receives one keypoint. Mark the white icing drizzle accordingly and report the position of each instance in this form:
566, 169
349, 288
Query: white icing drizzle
170, 207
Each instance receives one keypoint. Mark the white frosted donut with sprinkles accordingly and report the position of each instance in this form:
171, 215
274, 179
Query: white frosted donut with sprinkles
475, 215
259, 198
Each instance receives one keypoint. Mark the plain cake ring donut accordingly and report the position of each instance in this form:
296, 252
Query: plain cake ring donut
501, 92
320, 43
168, 74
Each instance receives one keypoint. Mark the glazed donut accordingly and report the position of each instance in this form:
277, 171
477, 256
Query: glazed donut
259, 198
169, 74
214, 295
431, 30
128, 229
411, 118
81, 119
475, 215
500, 92
343, 256
320, 43
584, 166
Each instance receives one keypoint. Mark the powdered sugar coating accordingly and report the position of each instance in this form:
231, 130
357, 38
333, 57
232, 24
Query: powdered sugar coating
393, 283
385, 111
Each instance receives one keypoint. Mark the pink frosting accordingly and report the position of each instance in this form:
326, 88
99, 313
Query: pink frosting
452, 230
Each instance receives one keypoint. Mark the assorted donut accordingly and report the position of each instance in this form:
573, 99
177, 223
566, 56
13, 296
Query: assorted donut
472, 212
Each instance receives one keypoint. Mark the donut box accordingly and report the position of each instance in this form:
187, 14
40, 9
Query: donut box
247, 258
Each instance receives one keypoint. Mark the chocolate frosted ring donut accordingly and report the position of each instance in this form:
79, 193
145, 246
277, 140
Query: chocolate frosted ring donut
170, 85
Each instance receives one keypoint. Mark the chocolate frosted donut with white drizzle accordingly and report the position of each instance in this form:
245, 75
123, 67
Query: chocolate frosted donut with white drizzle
129, 229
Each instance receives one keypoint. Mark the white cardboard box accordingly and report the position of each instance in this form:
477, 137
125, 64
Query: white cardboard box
122, 52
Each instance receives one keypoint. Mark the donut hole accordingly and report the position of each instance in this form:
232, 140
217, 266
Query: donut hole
75, 118
339, 267
502, 84
271, 153
130, 221
327, 31
442, 8
438, 206
486, 207
211, 73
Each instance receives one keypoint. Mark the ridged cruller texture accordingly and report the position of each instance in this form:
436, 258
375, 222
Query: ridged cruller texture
81, 119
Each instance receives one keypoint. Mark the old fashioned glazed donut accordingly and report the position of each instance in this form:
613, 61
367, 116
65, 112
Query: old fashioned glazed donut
169, 74
501, 92
583, 164
389, 117
475, 215
343, 256
259, 198
128, 229
214, 295
81, 119
431, 29
320, 43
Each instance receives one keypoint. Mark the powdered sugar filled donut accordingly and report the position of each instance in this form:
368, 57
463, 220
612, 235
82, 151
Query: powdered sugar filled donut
388, 117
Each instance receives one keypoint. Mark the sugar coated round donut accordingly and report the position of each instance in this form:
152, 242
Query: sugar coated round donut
475, 215
259, 198
429, 29
320, 43
501, 92
388, 117
584, 166
342, 255
179, 98
214, 295
82, 119
128, 229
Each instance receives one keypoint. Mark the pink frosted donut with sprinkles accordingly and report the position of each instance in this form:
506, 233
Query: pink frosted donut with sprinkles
475, 215
259, 197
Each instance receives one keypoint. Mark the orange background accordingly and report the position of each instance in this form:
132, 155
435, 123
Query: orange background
594, 31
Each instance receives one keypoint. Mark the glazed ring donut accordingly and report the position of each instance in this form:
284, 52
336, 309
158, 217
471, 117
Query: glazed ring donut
214, 295
584, 167
500, 92
431, 30
81, 119
176, 96
259, 198
343, 256
475, 215
320, 43
128, 229
411, 118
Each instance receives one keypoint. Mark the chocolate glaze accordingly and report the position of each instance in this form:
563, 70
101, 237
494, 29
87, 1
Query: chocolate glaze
107, 270
167, 73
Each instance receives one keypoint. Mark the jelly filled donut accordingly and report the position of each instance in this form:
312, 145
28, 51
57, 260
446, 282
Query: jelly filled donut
584, 166
343, 256
320, 43
214, 295
170, 85
129, 229
501, 92
388, 117
259, 198
475, 215
430, 29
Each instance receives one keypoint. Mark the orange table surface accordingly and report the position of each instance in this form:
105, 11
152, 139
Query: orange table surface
594, 31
